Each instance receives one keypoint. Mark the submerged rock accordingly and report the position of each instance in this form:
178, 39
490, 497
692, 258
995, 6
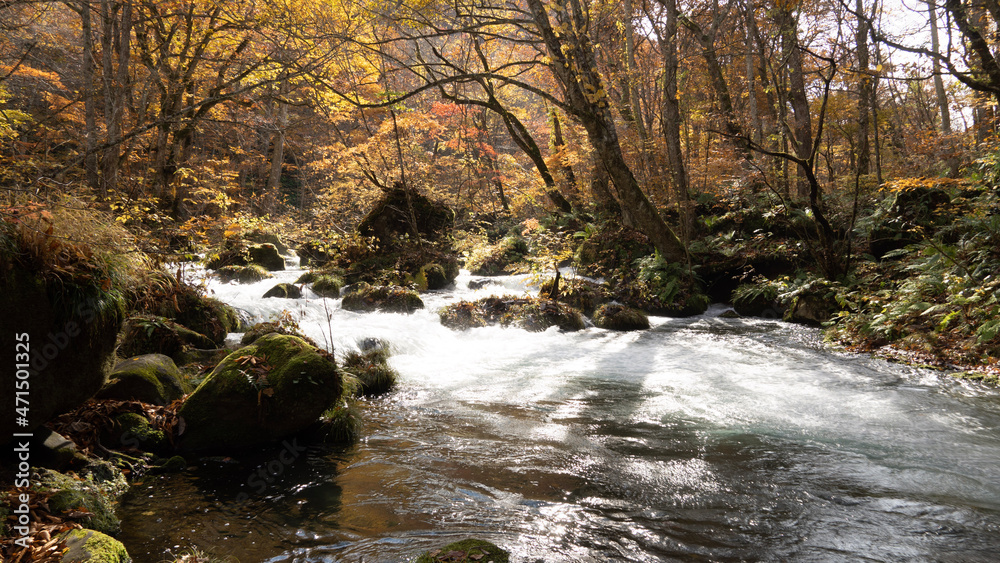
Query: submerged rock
259, 394
614, 316
528, 313
152, 378
469, 550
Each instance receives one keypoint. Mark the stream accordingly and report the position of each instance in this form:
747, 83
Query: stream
701, 439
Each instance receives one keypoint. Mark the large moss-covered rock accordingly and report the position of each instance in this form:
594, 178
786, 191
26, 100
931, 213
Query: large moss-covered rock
244, 274
402, 211
390, 299
273, 388
266, 255
187, 306
614, 316
912, 213
152, 378
284, 291
327, 286
89, 546
261, 237
133, 431
469, 551
149, 334
60, 338
528, 313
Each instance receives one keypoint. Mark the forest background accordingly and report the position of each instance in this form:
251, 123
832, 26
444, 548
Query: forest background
851, 142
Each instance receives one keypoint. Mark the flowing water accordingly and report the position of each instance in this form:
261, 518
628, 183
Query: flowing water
702, 439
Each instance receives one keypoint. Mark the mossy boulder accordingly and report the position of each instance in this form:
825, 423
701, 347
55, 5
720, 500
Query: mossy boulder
90, 546
327, 286
504, 257
812, 308
250, 273
272, 327
758, 299
266, 255
468, 551
579, 293
531, 314
912, 213
63, 335
152, 378
260, 236
371, 369
187, 306
69, 494
284, 291
259, 394
149, 334
432, 276
615, 316
403, 211
132, 431
387, 298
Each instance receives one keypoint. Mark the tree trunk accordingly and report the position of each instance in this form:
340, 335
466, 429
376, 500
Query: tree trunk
942, 97
865, 87
672, 117
89, 101
116, 19
278, 152
574, 67
802, 140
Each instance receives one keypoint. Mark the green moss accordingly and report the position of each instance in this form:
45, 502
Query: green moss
528, 313
148, 334
151, 378
244, 274
284, 291
469, 550
341, 424
390, 299
270, 389
94, 547
273, 327
71, 495
614, 316
372, 370
135, 431
327, 286
4, 513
